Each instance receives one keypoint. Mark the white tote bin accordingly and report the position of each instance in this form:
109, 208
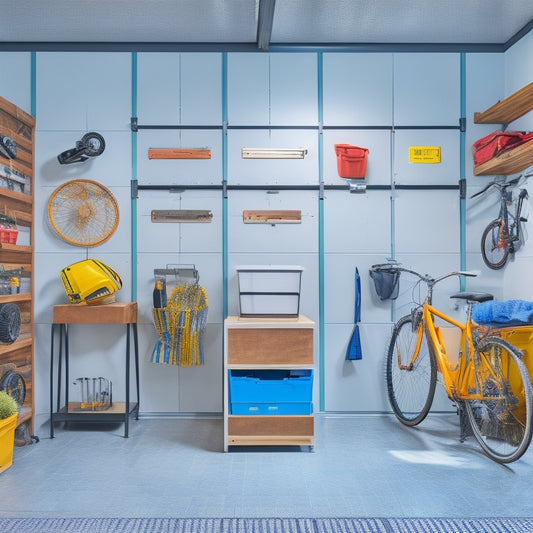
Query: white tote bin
269, 291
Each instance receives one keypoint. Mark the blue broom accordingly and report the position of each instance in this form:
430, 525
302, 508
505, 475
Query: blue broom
353, 352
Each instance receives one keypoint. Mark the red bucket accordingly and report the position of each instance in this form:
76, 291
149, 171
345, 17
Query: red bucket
351, 160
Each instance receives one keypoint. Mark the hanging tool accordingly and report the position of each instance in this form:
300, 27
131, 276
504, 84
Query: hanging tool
354, 353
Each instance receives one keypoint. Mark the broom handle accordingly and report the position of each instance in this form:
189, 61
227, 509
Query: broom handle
357, 314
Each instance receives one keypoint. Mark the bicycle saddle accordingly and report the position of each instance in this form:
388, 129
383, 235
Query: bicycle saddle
473, 296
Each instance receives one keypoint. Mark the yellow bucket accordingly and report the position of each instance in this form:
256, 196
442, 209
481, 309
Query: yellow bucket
7, 441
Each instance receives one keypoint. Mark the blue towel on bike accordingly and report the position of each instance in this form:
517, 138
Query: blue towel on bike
507, 312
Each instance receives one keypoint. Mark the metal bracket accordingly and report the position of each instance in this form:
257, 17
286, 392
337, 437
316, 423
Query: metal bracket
462, 124
357, 187
134, 124
462, 188
134, 189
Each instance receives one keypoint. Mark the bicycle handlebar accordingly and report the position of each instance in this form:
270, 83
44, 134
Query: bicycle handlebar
503, 185
426, 277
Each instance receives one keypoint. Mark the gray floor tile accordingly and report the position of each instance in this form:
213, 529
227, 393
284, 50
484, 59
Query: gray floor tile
363, 466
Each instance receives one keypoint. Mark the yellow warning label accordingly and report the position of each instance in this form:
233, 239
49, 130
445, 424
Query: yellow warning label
424, 154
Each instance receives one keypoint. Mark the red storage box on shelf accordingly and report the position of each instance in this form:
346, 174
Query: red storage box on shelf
8, 236
351, 160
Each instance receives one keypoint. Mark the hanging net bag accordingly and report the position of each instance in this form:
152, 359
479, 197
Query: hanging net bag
181, 326
386, 279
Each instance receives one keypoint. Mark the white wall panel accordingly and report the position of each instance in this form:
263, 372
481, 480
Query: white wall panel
179, 171
97, 97
293, 89
356, 385
485, 87
175, 238
447, 172
357, 89
111, 168
426, 89
427, 221
272, 171
15, 82
278, 238
61, 98
201, 89
339, 289
357, 223
248, 89
378, 142
158, 88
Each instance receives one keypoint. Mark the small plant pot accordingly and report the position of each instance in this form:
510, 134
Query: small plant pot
7, 441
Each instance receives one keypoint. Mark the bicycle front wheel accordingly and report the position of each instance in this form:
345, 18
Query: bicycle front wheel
500, 416
493, 247
411, 372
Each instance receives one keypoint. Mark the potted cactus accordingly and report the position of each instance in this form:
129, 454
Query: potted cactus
8, 423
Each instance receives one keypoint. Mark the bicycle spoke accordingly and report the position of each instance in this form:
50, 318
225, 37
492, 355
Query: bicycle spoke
410, 380
500, 416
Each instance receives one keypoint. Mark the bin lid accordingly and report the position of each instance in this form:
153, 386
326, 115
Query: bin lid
268, 268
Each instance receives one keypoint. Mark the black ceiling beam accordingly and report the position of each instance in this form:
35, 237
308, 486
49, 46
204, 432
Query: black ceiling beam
62, 46
264, 23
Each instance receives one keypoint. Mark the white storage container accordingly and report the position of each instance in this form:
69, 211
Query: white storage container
269, 290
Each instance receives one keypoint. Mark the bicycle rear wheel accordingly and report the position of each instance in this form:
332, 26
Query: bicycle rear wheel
493, 247
501, 417
410, 381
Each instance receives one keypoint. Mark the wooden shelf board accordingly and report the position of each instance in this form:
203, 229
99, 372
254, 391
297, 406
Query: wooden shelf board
118, 408
259, 366
270, 440
21, 297
113, 313
24, 341
508, 162
20, 197
25, 414
15, 248
509, 109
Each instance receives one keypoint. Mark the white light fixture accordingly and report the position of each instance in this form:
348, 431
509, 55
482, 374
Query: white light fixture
273, 153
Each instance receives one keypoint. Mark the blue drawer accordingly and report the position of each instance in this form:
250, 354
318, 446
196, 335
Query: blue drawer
271, 391
287, 408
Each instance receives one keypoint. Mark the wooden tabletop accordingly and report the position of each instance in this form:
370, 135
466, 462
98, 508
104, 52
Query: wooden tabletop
113, 313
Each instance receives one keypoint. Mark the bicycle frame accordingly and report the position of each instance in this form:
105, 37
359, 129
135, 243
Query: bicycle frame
460, 379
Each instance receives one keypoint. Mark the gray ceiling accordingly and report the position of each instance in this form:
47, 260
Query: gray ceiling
261, 24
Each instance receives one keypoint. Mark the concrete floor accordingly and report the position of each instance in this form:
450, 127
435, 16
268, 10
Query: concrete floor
361, 466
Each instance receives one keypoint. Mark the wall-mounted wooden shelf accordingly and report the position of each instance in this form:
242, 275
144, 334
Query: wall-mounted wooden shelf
508, 162
20, 126
515, 159
509, 109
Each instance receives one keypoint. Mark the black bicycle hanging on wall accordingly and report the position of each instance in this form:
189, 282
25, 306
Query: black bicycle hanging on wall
504, 235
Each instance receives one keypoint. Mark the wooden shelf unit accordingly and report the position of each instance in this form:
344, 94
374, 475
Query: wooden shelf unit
504, 112
273, 344
64, 410
20, 126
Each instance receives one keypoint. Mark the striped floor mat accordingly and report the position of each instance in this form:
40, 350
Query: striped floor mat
267, 525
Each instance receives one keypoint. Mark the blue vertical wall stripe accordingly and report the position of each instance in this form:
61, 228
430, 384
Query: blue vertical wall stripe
33, 84
462, 141
224, 182
134, 178
321, 325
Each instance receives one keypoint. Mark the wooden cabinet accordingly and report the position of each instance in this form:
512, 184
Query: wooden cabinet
267, 344
16, 201
504, 112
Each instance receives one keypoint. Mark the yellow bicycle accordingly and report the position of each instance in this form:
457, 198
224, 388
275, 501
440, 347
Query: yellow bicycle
482, 373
